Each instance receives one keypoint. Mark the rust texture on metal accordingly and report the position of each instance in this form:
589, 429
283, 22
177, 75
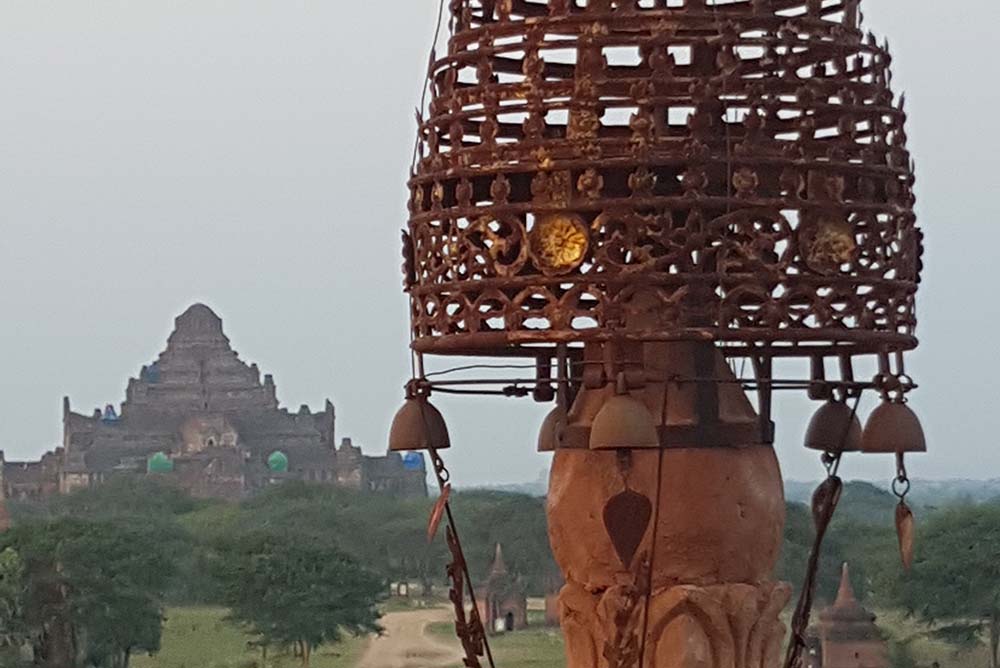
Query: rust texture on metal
824, 505
905, 529
468, 625
637, 194
738, 169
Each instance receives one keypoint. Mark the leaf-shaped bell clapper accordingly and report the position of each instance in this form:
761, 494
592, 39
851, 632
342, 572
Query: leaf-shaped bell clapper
893, 428
835, 428
551, 434
624, 423
418, 426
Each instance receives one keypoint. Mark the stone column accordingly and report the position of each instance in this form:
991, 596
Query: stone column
718, 531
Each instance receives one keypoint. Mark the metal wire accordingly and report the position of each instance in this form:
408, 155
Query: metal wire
477, 367
416, 146
749, 384
427, 81
652, 559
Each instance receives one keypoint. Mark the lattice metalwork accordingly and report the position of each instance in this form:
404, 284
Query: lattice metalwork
631, 191
651, 170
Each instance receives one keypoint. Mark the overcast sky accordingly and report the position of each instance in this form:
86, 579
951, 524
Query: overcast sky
252, 155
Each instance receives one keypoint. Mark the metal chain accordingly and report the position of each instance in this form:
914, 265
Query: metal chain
901, 484
470, 630
824, 506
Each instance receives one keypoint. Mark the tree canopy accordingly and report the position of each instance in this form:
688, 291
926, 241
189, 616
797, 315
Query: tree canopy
148, 544
955, 581
861, 528
14, 632
291, 589
92, 591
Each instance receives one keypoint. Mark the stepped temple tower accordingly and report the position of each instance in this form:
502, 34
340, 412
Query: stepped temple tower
205, 420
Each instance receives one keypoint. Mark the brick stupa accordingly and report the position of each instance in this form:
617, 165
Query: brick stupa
848, 635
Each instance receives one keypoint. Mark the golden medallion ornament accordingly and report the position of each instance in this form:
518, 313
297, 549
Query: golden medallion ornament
559, 243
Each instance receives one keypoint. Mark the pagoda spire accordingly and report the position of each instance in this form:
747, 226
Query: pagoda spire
499, 565
848, 634
845, 595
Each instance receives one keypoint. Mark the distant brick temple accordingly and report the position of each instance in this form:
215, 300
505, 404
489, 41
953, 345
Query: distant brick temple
847, 636
202, 418
503, 603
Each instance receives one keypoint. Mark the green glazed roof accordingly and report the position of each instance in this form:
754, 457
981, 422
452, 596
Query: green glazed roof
160, 463
278, 462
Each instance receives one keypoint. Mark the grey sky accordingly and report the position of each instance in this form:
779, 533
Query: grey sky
252, 154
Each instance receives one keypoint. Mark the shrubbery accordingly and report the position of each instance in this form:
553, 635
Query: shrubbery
123, 551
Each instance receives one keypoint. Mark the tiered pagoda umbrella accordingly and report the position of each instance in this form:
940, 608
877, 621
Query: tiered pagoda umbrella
649, 203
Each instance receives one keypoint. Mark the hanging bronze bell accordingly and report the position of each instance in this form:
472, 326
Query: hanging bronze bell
551, 433
418, 426
624, 423
834, 428
893, 428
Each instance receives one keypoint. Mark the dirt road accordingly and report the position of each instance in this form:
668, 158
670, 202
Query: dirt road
407, 643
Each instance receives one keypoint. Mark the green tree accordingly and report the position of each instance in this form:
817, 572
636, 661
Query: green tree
519, 523
148, 505
408, 553
865, 504
296, 590
388, 535
837, 549
14, 631
125, 497
955, 581
854, 537
93, 591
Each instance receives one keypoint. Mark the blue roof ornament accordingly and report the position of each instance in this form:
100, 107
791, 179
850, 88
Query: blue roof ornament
110, 414
413, 461
153, 373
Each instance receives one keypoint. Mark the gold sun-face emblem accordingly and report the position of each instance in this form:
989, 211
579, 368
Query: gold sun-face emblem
559, 243
829, 245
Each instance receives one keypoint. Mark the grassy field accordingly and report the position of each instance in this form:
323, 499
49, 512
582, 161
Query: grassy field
543, 648
536, 647
201, 638
924, 649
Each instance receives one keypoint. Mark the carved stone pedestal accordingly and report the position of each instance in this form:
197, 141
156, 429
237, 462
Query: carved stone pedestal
725, 626
718, 532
